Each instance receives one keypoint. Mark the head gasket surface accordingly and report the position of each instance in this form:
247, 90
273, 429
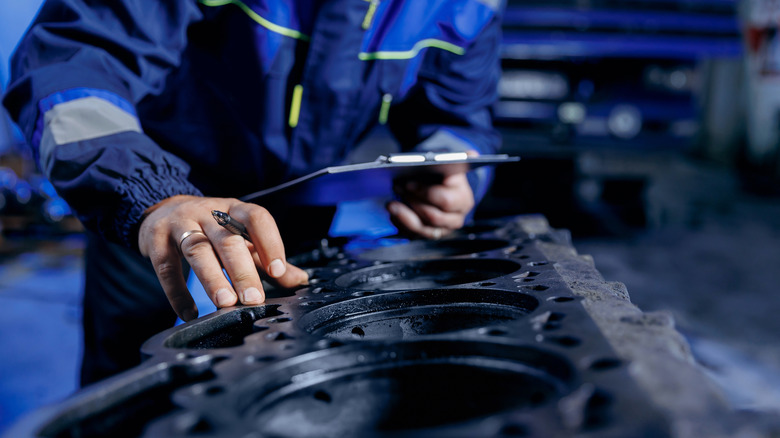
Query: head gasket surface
473, 335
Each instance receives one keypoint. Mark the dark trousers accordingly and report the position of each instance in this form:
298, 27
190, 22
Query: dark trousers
124, 306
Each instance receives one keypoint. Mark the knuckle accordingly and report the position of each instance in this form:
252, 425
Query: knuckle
431, 216
166, 270
443, 198
243, 277
194, 250
448, 202
233, 242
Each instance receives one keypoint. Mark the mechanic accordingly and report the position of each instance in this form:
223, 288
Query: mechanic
146, 116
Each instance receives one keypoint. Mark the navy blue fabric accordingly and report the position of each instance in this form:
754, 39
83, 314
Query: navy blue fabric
212, 89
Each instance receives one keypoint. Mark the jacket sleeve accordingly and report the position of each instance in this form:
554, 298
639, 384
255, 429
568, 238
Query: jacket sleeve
450, 108
77, 76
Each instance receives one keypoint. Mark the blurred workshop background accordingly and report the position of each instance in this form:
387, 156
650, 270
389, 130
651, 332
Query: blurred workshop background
649, 128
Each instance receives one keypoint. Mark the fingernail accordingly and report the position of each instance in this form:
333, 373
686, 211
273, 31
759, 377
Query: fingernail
277, 268
392, 208
189, 314
225, 298
303, 278
252, 296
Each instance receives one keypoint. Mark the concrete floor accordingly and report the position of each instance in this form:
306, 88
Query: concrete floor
710, 255
40, 291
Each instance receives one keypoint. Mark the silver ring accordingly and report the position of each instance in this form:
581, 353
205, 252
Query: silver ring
187, 234
437, 233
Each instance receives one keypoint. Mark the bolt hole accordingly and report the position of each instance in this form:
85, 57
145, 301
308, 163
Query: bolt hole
565, 341
328, 343
488, 283
261, 359
562, 299
214, 390
605, 364
495, 332
279, 320
537, 263
538, 287
358, 332
538, 398
323, 396
556, 316
362, 293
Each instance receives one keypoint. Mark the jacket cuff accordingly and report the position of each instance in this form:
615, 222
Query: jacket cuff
138, 195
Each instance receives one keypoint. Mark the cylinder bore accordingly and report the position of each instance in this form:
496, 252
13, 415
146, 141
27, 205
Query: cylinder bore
401, 388
432, 249
409, 314
426, 274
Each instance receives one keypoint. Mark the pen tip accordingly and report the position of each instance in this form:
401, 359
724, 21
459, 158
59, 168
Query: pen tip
219, 216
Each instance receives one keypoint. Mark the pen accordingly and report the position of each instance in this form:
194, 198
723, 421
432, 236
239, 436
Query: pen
230, 224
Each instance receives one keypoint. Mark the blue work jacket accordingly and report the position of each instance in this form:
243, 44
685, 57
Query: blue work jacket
127, 102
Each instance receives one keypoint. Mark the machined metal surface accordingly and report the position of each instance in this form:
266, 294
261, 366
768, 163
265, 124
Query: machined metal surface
475, 335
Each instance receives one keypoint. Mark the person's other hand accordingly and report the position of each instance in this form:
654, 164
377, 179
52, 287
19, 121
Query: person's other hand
432, 210
183, 226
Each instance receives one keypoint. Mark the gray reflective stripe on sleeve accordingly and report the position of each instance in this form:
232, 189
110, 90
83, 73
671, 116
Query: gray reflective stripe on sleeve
82, 119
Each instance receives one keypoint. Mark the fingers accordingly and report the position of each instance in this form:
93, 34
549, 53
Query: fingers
199, 252
267, 247
167, 265
293, 276
408, 221
182, 226
433, 210
265, 237
452, 195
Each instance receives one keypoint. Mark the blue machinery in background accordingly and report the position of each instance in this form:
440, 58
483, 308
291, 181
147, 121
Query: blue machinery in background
612, 70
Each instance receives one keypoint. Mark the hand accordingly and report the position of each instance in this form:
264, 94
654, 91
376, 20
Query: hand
211, 247
432, 210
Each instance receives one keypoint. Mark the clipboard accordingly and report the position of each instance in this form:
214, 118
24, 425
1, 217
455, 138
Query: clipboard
352, 182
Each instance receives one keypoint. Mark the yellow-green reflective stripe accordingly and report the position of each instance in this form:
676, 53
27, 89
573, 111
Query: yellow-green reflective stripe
370, 14
384, 110
408, 54
292, 33
295, 106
